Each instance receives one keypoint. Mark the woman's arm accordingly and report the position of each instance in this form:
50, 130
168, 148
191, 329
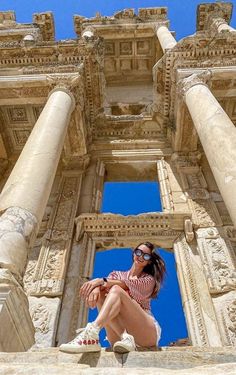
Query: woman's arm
110, 282
87, 287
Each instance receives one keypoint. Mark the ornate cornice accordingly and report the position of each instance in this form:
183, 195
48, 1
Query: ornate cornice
109, 230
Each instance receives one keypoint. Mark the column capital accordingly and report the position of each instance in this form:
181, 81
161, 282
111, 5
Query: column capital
195, 79
159, 24
71, 84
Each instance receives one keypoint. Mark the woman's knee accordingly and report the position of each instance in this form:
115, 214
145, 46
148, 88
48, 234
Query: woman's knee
116, 289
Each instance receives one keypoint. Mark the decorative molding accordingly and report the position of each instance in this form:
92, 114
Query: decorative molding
190, 293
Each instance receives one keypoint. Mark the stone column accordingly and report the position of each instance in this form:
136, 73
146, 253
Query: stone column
217, 134
22, 203
165, 37
220, 25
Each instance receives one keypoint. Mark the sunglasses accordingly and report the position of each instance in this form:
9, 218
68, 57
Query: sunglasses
139, 253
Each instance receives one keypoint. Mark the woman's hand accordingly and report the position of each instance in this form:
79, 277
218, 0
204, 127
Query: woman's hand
93, 297
87, 287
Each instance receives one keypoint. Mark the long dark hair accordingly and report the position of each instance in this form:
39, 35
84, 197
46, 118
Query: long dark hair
156, 267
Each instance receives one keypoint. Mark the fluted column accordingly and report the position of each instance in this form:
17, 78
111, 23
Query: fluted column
165, 37
217, 134
22, 203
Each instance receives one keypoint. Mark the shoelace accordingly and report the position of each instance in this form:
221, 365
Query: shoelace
85, 335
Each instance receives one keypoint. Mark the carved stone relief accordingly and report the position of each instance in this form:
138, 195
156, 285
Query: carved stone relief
44, 313
219, 260
198, 307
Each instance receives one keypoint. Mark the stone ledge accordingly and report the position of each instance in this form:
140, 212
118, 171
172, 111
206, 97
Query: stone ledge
167, 359
220, 369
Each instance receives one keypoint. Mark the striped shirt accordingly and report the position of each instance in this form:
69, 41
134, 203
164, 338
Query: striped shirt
140, 288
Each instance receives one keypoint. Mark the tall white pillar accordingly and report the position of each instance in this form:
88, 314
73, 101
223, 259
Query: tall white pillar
22, 203
165, 37
217, 134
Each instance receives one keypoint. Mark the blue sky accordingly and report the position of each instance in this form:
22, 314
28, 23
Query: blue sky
182, 13
131, 198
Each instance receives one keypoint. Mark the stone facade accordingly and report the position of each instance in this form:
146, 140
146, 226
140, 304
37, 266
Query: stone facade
122, 102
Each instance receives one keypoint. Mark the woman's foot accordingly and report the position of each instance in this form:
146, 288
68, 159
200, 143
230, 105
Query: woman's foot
125, 345
86, 341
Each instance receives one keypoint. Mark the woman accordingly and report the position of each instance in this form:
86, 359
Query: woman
123, 300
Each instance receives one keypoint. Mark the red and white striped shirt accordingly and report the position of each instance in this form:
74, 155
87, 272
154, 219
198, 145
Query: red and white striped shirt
140, 288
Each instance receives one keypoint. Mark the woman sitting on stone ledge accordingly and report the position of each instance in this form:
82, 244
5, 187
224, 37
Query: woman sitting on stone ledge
123, 301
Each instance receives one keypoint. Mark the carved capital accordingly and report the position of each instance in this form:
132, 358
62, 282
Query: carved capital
195, 79
71, 84
159, 24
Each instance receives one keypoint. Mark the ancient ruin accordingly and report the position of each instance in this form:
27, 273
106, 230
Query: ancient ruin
124, 101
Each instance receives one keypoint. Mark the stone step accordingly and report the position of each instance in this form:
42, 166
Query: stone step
185, 360
65, 369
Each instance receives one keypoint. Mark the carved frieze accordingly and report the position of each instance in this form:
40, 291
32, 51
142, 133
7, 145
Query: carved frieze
219, 260
49, 273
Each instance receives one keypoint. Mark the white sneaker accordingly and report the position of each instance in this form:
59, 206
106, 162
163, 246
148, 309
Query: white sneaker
86, 341
125, 345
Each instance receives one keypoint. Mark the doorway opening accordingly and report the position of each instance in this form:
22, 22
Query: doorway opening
132, 198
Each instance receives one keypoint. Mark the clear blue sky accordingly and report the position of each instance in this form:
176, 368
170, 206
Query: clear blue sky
182, 13
125, 198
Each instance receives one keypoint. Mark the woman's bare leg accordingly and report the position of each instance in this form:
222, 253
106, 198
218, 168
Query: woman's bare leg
115, 327
118, 303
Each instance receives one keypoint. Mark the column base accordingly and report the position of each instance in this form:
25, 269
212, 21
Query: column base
17, 330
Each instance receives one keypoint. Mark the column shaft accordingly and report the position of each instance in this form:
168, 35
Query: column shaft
165, 38
218, 137
30, 182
